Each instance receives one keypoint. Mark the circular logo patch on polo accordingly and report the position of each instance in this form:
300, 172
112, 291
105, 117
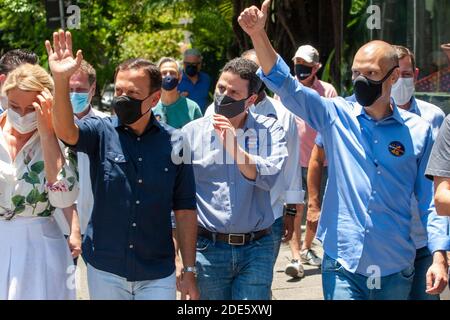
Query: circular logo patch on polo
397, 148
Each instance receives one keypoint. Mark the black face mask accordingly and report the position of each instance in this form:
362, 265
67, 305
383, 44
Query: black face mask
303, 72
191, 70
368, 91
128, 109
169, 83
227, 106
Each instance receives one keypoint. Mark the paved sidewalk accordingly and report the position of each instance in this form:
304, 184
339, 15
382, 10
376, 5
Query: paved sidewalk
283, 287
286, 288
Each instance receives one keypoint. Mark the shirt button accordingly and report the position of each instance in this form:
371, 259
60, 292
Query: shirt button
370, 211
117, 159
378, 172
131, 246
137, 202
140, 180
367, 231
376, 141
134, 224
140, 159
138, 139
374, 192
165, 169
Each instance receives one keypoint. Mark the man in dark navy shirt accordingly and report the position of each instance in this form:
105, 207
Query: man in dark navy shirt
128, 245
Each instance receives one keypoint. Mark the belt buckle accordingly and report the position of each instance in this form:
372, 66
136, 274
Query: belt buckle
241, 243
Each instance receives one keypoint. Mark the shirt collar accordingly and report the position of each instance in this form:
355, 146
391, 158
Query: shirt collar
360, 111
152, 123
414, 108
250, 121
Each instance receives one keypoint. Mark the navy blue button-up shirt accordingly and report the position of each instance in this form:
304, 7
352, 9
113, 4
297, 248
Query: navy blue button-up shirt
135, 185
198, 91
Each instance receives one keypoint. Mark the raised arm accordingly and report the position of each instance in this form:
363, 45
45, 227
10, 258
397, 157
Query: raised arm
304, 102
63, 65
253, 22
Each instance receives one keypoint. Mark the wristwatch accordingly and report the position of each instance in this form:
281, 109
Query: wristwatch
190, 269
291, 211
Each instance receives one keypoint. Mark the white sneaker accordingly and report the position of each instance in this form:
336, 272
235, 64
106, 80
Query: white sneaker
310, 257
295, 269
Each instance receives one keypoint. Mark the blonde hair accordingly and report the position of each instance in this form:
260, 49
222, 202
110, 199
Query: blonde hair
28, 77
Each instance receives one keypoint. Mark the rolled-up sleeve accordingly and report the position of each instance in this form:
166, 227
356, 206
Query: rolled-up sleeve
436, 226
439, 163
64, 192
292, 172
184, 196
89, 130
269, 167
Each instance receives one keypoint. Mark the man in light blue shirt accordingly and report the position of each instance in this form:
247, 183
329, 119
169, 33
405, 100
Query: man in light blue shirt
377, 155
237, 158
402, 94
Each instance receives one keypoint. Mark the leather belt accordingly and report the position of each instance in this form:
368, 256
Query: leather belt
234, 239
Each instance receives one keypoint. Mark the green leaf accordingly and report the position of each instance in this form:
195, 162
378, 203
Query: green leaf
32, 178
38, 167
63, 172
18, 200
43, 197
19, 209
33, 197
45, 213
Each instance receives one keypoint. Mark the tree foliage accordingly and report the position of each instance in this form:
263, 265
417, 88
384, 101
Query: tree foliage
114, 30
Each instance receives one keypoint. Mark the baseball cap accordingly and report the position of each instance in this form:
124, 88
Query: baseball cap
307, 53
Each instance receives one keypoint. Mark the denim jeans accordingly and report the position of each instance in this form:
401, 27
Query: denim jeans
277, 231
424, 259
340, 284
227, 272
107, 286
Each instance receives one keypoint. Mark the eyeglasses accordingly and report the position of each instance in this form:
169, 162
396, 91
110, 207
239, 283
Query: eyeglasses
191, 63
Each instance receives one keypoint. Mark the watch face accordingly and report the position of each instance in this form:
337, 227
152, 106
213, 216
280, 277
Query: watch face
190, 269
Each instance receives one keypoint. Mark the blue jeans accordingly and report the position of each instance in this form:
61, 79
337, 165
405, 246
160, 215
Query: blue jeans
277, 231
107, 286
227, 272
340, 284
424, 259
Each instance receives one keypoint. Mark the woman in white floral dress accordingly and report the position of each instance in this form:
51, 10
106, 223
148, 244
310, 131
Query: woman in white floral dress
35, 177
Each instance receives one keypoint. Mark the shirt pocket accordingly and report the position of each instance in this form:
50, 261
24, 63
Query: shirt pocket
115, 166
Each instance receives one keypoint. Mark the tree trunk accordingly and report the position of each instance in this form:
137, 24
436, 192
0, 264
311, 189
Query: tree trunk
296, 22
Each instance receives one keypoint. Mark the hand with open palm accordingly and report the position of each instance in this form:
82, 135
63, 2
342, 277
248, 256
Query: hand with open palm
60, 58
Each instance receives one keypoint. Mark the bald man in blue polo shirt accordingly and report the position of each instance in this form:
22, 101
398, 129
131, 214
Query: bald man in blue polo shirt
377, 155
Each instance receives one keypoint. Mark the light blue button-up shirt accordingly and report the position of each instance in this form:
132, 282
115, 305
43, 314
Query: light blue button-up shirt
375, 167
435, 116
227, 202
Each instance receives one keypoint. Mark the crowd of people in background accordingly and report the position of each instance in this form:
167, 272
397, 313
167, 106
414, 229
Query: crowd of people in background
180, 192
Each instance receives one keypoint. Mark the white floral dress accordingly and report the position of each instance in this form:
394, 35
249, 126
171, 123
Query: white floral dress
35, 258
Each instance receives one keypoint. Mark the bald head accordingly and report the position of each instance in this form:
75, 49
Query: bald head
250, 55
376, 56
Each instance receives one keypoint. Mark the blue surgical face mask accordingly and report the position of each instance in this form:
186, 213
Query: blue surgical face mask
80, 101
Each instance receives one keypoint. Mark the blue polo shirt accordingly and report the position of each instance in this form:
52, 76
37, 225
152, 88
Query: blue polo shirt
375, 168
135, 185
199, 92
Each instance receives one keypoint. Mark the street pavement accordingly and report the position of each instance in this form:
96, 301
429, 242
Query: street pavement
283, 286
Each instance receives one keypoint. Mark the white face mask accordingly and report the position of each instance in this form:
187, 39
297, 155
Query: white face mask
24, 124
402, 91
